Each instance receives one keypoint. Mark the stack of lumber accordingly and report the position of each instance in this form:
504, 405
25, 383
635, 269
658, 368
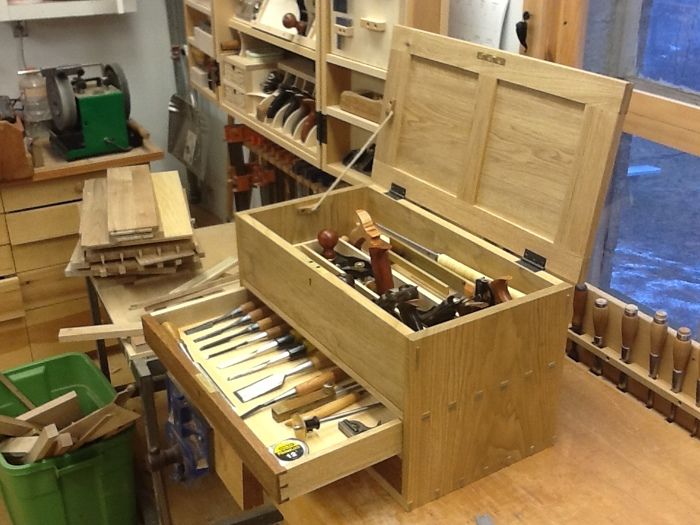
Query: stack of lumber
134, 223
58, 427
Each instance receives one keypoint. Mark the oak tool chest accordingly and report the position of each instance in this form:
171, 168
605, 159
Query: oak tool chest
497, 163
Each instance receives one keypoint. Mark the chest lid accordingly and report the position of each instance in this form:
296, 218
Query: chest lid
513, 149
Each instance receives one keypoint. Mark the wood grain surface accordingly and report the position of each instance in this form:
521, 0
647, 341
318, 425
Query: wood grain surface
131, 203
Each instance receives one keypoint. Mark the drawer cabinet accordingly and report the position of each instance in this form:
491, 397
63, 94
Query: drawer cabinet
43, 223
49, 252
14, 349
18, 197
7, 265
47, 286
44, 323
331, 455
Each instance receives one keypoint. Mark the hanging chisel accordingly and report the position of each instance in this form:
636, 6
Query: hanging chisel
630, 326
286, 408
580, 296
233, 314
275, 381
248, 318
260, 349
259, 326
315, 383
658, 333
291, 354
682, 346
271, 333
600, 325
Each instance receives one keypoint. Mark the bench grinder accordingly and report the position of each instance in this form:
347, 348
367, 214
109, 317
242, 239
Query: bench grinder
90, 114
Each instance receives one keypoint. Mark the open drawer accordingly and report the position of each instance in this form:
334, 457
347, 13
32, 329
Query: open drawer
330, 454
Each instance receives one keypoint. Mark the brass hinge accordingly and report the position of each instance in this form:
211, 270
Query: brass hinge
396, 192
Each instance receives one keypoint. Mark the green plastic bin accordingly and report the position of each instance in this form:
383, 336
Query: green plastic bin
93, 485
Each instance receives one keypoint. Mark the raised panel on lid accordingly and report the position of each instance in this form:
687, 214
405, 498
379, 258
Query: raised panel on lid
514, 149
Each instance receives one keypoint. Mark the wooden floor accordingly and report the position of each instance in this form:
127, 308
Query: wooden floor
614, 462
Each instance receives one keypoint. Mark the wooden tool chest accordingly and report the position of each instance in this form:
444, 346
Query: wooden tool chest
481, 145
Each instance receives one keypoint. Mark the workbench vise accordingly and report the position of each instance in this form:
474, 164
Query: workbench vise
89, 114
188, 437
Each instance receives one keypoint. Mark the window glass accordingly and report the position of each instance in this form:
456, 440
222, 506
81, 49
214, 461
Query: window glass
670, 46
651, 231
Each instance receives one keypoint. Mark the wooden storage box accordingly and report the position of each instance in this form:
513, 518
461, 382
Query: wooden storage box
496, 146
247, 73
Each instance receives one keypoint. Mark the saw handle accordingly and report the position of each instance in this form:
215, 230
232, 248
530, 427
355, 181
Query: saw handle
332, 375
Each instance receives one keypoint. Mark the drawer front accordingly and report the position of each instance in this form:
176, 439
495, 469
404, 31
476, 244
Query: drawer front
14, 349
44, 253
37, 194
44, 323
11, 306
7, 264
4, 237
43, 223
234, 96
239, 481
331, 457
234, 74
48, 286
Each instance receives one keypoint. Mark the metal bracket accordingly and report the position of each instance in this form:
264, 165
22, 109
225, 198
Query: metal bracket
321, 130
533, 261
396, 192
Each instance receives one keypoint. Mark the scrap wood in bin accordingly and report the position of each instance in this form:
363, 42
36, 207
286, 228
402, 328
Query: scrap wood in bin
134, 223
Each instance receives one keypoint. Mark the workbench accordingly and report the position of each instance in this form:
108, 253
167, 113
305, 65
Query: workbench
613, 460
39, 220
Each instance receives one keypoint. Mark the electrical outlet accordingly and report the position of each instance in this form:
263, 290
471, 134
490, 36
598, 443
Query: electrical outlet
19, 29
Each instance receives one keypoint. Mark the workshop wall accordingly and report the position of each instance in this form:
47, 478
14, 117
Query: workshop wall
138, 41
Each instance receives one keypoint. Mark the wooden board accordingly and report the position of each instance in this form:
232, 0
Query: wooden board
7, 263
43, 445
131, 204
49, 252
15, 349
4, 237
173, 211
102, 331
43, 223
141, 250
61, 411
93, 214
49, 286
11, 306
10, 426
18, 446
516, 150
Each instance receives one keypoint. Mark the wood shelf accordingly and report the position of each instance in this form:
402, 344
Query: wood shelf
64, 9
248, 29
192, 43
278, 138
354, 65
204, 90
351, 118
202, 7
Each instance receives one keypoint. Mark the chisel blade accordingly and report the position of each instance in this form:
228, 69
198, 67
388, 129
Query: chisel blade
261, 387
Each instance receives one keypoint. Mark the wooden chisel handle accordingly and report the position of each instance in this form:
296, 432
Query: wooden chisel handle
258, 313
682, 347
468, 273
600, 321
277, 331
332, 375
319, 360
331, 408
246, 307
268, 322
580, 296
630, 325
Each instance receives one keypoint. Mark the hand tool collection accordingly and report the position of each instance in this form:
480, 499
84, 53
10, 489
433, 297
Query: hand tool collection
398, 294
681, 345
251, 340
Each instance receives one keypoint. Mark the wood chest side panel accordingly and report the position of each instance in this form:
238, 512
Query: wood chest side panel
499, 380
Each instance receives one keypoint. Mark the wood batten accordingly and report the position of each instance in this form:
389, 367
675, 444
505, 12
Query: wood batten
515, 150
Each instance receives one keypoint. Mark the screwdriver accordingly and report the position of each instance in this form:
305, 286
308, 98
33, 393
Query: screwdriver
278, 342
291, 354
682, 346
275, 381
237, 312
580, 296
658, 333
259, 326
250, 317
600, 325
630, 326
315, 383
272, 333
